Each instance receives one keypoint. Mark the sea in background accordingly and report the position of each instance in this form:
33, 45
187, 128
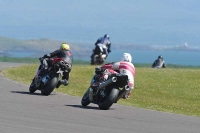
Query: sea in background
140, 23
185, 58
170, 57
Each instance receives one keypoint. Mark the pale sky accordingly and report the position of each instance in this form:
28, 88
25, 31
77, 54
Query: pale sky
154, 22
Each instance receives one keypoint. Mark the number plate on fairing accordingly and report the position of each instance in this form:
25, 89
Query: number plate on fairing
45, 79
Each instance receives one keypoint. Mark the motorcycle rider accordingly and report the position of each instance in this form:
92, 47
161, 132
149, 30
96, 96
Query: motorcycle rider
124, 67
159, 63
105, 40
63, 52
102, 42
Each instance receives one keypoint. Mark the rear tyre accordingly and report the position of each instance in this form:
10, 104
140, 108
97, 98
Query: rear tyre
107, 101
47, 89
98, 60
32, 87
95, 59
101, 61
85, 100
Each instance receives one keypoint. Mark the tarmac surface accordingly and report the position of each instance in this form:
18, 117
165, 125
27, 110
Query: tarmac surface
22, 112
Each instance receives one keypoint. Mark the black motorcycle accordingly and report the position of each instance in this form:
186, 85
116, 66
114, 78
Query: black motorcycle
97, 57
107, 92
47, 79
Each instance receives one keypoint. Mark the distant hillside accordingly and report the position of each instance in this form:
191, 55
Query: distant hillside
33, 44
41, 45
78, 49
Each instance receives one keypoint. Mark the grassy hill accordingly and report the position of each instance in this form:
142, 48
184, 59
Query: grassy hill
174, 90
33, 44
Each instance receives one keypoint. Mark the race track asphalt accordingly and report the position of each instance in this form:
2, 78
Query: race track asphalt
22, 112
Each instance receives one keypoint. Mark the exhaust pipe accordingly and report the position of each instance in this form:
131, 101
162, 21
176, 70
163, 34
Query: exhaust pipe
108, 82
126, 87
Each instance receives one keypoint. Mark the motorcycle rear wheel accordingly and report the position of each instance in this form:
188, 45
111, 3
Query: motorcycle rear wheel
47, 89
95, 59
107, 102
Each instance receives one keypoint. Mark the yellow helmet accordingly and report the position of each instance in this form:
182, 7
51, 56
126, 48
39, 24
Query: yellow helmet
64, 46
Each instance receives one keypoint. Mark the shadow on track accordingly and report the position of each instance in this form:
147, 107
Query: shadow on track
28, 93
86, 107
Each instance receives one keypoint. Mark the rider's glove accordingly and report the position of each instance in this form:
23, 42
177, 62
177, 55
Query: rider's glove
47, 56
41, 58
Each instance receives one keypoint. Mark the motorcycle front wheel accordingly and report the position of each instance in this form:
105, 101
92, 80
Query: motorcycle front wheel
85, 100
32, 87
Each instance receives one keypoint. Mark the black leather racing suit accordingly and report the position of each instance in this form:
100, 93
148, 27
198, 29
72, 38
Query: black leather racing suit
65, 54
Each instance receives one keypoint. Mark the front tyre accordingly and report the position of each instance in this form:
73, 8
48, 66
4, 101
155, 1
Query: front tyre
32, 87
85, 100
51, 84
107, 101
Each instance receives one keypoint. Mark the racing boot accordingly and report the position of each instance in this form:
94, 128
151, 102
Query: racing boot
63, 81
126, 95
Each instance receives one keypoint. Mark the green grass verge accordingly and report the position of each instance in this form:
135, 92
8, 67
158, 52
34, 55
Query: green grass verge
174, 90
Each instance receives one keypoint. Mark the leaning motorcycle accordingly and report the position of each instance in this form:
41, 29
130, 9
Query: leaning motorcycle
46, 79
97, 57
107, 92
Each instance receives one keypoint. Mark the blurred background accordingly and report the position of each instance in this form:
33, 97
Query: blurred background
144, 28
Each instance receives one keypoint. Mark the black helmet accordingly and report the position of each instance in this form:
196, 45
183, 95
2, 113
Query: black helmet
160, 57
106, 36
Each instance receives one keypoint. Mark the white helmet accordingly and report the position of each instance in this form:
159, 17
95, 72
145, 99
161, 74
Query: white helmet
127, 57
